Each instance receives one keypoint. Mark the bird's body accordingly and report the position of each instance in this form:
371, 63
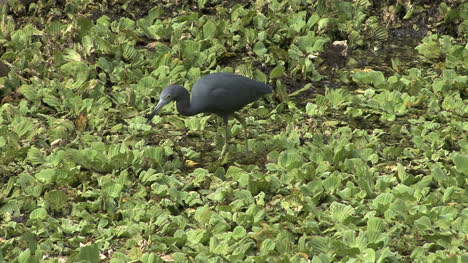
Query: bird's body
225, 93
219, 93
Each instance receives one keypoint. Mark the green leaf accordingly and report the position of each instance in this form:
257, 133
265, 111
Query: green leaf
203, 214
311, 43
382, 201
289, 159
84, 24
52, 100
313, 109
196, 123
29, 92
196, 236
260, 76
337, 97
369, 255
25, 256
72, 55
239, 232
89, 254
461, 162
56, 199
113, 189
341, 212
423, 223
277, 72
149, 258
313, 19
129, 52
23, 127
430, 47
39, 214
35, 156
209, 29
375, 224
294, 52
323, 23
156, 154
267, 246
364, 78
402, 175
238, 174
88, 44
260, 49
9, 208
46, 176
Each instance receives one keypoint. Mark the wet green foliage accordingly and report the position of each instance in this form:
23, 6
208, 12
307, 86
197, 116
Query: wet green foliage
361, 155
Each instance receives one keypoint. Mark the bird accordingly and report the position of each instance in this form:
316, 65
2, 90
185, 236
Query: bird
218, 93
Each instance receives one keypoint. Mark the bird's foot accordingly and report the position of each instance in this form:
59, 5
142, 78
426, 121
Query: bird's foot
224, 151
223, 158
220, 162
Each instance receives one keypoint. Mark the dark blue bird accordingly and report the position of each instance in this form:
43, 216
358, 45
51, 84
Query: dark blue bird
219, 93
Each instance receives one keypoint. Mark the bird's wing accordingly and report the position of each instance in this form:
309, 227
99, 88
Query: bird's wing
224, 93
231, 99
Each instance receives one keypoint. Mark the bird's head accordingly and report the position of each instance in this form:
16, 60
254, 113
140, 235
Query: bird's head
168, 94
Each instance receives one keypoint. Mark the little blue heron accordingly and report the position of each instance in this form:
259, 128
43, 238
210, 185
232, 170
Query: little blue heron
219, 93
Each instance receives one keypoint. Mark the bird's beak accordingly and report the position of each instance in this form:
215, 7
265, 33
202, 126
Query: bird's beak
161, 104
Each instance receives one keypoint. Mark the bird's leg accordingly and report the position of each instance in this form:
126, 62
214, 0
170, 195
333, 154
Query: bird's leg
226, 138
244, 125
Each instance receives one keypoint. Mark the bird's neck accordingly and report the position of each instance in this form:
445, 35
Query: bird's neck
184, 107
